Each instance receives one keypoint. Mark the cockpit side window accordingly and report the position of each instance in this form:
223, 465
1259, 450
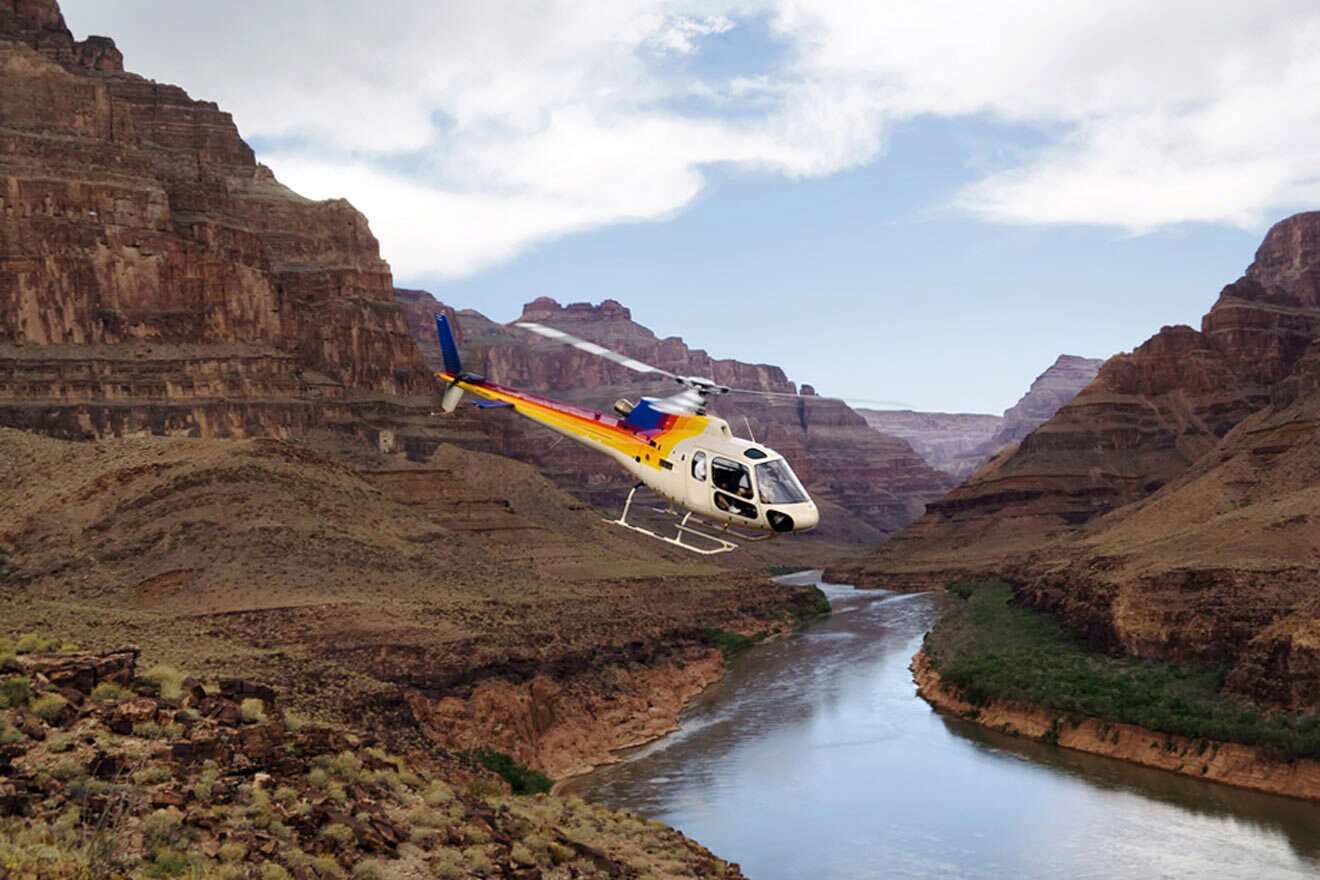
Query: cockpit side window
699, 466
731, 476
779, 485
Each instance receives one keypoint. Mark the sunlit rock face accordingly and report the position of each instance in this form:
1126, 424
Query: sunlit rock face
134, 219
877, 483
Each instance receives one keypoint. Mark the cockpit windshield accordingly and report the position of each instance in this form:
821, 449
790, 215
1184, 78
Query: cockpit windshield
778, 483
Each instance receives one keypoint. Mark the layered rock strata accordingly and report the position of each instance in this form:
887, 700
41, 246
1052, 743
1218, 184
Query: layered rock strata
132, 218
1145, 419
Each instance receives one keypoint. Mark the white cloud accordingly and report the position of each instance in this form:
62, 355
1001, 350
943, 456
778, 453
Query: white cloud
507, 123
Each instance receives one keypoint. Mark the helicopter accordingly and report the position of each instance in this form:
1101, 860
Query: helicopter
671, 445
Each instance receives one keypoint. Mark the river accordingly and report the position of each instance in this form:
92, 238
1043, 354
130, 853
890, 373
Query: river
814, 758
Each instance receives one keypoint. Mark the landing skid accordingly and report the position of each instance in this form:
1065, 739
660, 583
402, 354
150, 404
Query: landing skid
715, 543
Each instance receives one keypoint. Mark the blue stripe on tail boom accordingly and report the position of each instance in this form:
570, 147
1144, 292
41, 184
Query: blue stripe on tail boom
453, 365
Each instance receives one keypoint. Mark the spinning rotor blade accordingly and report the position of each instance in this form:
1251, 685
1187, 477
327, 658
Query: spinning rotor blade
849, 400
593, 348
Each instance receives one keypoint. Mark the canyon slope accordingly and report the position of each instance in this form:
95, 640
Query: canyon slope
870, 484
220, 348
959, 444
1168, 510
154, 276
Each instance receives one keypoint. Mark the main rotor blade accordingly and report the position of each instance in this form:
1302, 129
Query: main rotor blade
787, 396
592, 348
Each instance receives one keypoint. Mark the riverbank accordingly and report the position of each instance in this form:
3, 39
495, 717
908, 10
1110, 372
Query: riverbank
1013, 669
1230, 763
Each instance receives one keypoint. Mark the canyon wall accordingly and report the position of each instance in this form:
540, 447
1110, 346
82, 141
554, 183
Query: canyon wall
138, 231
943, 440
872, 483
1168, 510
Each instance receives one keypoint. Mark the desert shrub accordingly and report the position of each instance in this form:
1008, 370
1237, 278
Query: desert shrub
730, 643
272, 871
327, 866
446, 864
9, 735
428, 818
151, 775
368, 869
437, 793
339, 833
67, 768
286, 794
346, 765
293, 722
167, 864
148, 730
252, 710
49, 707
168, 679
15, 692
232, 851
111, 691
33, 643
164, 828
523, 779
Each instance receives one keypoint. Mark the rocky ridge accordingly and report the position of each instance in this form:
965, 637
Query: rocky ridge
153, 276
870, 483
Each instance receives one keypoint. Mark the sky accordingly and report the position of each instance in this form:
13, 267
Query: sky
923, 203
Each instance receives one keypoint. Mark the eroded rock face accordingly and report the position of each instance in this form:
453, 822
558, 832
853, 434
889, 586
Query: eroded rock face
131, 215
877, 477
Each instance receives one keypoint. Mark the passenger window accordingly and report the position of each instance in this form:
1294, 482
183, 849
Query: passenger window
731, 476
735, 505
699, 466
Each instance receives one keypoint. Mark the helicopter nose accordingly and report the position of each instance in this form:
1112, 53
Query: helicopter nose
807, 519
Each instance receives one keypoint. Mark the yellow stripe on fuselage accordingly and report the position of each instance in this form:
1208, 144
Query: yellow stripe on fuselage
598, 429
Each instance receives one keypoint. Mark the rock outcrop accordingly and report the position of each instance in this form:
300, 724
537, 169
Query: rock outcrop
959, 444
874, 479
137, 229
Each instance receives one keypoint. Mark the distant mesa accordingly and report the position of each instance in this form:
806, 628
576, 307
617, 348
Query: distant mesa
959, 443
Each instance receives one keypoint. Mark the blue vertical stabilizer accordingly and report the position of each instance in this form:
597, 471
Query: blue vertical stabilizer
448, 348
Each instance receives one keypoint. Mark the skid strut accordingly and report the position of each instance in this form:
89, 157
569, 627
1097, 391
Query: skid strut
715, 543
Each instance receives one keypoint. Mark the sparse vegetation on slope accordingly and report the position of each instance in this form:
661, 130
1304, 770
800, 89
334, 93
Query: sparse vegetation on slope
90, 792
993, 649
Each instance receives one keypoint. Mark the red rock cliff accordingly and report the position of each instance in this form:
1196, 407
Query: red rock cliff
132, 215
